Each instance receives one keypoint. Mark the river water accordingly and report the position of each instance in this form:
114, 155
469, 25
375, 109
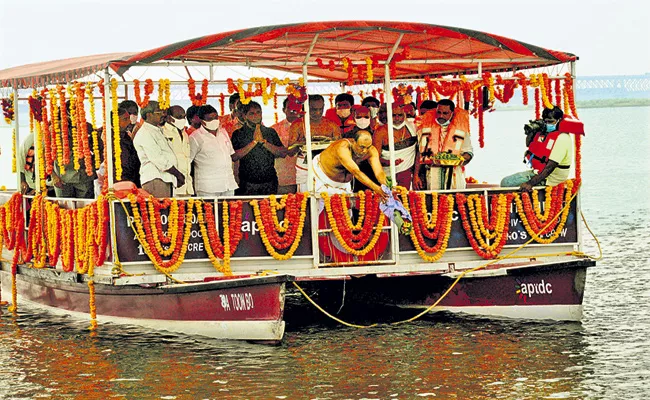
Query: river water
605, 356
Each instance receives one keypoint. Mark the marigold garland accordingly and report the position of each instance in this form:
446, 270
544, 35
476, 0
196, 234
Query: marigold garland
63, 112
117, 148
561, 193
93, 122
145, 236
222, 104
476, 230
198, 99
75, 133
265, 212
164, 93
148, 89
232, 234
363, 242
437, 227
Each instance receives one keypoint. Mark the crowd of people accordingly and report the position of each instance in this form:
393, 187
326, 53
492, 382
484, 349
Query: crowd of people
197, 152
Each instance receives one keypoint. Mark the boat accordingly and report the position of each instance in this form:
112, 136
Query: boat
222, 267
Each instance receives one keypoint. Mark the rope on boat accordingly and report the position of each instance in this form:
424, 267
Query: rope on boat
462, 275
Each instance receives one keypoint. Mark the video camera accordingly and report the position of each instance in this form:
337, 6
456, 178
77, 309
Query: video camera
534, 126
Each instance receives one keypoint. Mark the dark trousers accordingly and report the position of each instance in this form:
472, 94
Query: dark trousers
257, 189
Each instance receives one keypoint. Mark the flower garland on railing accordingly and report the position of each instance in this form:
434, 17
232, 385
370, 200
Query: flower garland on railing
361, 243
80, 235
146, 239
12, 235
480, 229
164, 93
117, 148
560, 194
148, 89
436, 227
231, 216
198, 99
280, 236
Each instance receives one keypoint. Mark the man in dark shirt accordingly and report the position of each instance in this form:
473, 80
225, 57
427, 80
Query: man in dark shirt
130, 160
256, 148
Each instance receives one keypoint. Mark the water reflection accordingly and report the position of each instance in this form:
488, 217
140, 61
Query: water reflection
441, 356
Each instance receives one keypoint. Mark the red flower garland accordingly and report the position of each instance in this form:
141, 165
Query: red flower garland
234, 227
440, 218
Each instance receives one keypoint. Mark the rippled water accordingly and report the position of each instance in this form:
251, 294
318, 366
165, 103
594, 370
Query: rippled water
606, 356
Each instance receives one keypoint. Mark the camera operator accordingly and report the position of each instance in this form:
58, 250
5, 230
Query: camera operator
549, 153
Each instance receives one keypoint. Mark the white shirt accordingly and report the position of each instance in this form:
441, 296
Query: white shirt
155, 153
181, 148
211, 155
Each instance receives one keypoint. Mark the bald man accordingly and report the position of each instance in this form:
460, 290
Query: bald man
335, 167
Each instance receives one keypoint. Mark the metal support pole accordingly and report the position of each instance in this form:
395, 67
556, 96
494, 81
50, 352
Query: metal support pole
108, 162
391, 140
18, 143
313, 200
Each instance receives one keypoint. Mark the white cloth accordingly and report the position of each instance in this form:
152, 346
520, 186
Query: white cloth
219, 194
155, 153
323, 183
181, 148
211, 155
437, 176
406, 154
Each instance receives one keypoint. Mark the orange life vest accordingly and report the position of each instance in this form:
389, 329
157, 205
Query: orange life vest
541, 146
457, 132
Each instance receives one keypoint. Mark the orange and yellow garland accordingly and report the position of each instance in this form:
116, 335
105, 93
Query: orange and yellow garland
358, 244
275, 235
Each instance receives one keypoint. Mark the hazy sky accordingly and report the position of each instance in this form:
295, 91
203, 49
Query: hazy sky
610, 37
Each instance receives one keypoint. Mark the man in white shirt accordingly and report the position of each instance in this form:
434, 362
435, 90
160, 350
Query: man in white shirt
158, 170
174, 130
211, 152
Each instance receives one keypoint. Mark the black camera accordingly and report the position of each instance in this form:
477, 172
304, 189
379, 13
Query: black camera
534, 126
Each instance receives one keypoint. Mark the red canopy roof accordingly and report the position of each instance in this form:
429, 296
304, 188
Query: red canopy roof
430, 50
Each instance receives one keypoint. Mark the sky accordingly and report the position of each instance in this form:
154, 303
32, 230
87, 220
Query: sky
610, 37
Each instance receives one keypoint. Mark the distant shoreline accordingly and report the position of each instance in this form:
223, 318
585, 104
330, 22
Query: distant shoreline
600, 103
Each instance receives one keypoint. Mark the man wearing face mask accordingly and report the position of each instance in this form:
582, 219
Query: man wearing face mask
212, 155
256, 147
444, 131
405, 140
373, 105
549, 154
158, 171
319, 126
341, 114
174, 131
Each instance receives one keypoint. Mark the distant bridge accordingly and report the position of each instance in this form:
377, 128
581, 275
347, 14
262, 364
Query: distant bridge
613, 87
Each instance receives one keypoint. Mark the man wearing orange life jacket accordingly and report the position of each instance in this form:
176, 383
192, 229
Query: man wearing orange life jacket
549, 153
445, 130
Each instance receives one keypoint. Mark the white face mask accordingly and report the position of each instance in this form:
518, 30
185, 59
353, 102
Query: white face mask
179, 123
211, 125
399, 126
343, 112
362, 123
446, 123
133, 118
373, 111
